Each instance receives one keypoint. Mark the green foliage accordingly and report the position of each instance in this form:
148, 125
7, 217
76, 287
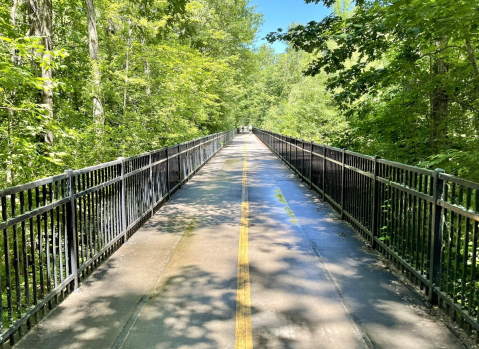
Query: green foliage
171, 70
285, 101
23, 119
405, 75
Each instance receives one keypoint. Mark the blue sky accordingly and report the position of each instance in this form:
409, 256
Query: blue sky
280, 13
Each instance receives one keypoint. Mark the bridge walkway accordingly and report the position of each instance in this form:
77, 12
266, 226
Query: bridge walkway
305, 281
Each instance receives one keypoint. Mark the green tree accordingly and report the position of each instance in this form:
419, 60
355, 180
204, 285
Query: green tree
405, 74
124, 77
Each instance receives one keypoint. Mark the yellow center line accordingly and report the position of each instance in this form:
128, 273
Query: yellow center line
243, 336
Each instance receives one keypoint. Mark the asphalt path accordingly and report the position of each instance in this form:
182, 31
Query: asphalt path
244, 256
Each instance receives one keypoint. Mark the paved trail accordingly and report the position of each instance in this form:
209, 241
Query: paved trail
244, 256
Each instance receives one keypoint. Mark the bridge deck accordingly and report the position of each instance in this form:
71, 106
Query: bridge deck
174, 284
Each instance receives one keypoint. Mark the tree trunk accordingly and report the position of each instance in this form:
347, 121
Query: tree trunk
472, 58
475, 68
146, 64
11, 112
40, 15
127, 66
439, 102
46, 13
98, 114
13, 12
34, 18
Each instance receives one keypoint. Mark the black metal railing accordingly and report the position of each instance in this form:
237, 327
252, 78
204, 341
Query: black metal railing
425, 221
55, 230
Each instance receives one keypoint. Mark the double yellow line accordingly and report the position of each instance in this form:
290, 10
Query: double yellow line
243, 337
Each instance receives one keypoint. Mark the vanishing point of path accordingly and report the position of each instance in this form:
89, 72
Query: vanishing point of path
244, 256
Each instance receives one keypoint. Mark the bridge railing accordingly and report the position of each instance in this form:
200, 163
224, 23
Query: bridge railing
54, 231
426, 221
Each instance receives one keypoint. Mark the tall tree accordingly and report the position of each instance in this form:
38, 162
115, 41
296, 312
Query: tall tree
405, 74
94, 48
41, 12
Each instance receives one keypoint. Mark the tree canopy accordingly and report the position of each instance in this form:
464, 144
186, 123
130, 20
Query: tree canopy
86, 81
405, 75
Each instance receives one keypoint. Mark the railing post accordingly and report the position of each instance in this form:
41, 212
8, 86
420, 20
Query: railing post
187, 162
291, 151
168, 173
302, 161
324, 171
342, 183
71, 230
179, 164
287, 146
123, 198
281, 137
436, 235
311, 166
150, 184
374, 213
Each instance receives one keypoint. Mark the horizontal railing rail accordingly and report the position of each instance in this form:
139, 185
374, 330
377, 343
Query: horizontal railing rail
55, 229
426, 221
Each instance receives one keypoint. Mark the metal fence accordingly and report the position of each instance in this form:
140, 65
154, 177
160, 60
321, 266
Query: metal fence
55, 230
425, 221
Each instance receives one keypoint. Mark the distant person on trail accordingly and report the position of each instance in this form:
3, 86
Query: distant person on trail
250, 129
242, 129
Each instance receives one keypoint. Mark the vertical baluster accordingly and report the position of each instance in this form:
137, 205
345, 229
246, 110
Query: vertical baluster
89, 213
59, 228
323, 185
53, 246
423, 180
465, 250
65, 194
354, 186
436, 235
97, 210
26, 283
401, 218
16, 259
389, 214
342, 189
179, 161
413, 225
47, 245
115, 198
407, 218
84, 218
415, 222
94, 220
381, 204
122, 198
475, 229
71, 230
168, 169
101, 210
302, 171
32, 253
40, 244
311, 166
114, 190
394, 213
409, 233
149, 173
457, 246
115, 195
6, 249
107, 203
